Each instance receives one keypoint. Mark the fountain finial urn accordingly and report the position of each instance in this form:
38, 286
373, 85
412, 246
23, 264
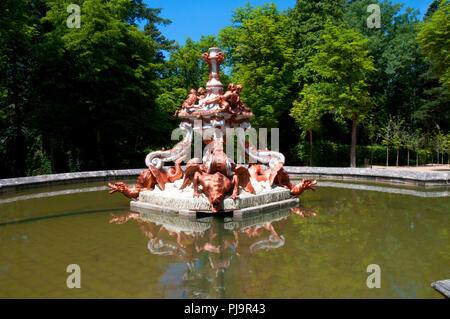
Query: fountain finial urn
214, 58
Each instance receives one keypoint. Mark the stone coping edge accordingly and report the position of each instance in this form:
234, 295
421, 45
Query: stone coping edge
384, 175
371, 174
443, 286
21, 183
249, 211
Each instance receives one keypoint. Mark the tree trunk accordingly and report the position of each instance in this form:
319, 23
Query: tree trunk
371, 153
310, 147
98, 140
387, 156
353, 146
408, 157
417, 158
19, 139
396, 161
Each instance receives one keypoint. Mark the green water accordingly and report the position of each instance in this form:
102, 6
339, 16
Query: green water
320, 252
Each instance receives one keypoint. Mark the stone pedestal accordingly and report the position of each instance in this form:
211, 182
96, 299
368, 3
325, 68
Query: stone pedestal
174, 201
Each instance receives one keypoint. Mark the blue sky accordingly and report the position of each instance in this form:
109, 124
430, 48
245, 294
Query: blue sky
192, 18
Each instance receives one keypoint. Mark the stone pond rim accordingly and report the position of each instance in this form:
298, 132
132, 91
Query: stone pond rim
427, 179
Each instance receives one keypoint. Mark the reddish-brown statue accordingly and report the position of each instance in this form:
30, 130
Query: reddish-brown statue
216, 185
189, 102
201, 93
278, 176
216, 174
148, 179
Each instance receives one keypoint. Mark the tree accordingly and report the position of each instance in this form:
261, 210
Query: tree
435, 5
401, 85
446, 146
397, 125
307, 113
259, 50
344, 67
18, 33
372, 130
434, 36
418, 142
408, 140
434, 107
106, 75
439, 142
386, 135
307, 24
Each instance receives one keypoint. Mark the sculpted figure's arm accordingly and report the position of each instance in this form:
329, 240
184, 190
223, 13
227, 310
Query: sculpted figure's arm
215, 100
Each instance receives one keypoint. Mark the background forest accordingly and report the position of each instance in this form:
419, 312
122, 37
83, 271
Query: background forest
103, 95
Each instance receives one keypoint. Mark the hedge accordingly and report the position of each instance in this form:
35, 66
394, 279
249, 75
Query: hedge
338, 155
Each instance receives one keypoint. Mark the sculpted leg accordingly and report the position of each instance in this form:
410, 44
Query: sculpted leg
196, 182
235, 184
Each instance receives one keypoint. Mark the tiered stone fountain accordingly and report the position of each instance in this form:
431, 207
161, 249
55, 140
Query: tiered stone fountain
214, 183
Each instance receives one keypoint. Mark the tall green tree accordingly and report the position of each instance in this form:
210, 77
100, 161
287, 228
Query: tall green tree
260, 55
18, 33
307, 112
307, 23
397, 84
433, 112
434, 37
106, 75
344, 66
397, 124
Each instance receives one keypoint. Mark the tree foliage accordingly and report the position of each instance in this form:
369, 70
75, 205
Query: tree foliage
88, 87
344, 66
261, 57
307, 23
434, 37
101, 96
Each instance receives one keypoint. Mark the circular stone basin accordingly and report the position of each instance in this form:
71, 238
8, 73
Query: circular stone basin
319, 249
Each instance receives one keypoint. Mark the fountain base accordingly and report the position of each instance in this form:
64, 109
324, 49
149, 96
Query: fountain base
175, 201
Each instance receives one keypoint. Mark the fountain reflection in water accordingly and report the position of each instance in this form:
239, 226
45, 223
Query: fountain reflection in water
207, 246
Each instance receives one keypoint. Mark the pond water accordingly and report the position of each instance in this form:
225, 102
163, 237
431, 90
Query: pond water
318, 250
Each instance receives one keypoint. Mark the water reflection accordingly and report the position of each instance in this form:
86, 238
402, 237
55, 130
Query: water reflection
204, 249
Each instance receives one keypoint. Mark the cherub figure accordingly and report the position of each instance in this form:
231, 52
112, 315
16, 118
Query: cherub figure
201, 93
237, 103
233, 99
189, 102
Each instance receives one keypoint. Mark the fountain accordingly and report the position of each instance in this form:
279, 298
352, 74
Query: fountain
214, 183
